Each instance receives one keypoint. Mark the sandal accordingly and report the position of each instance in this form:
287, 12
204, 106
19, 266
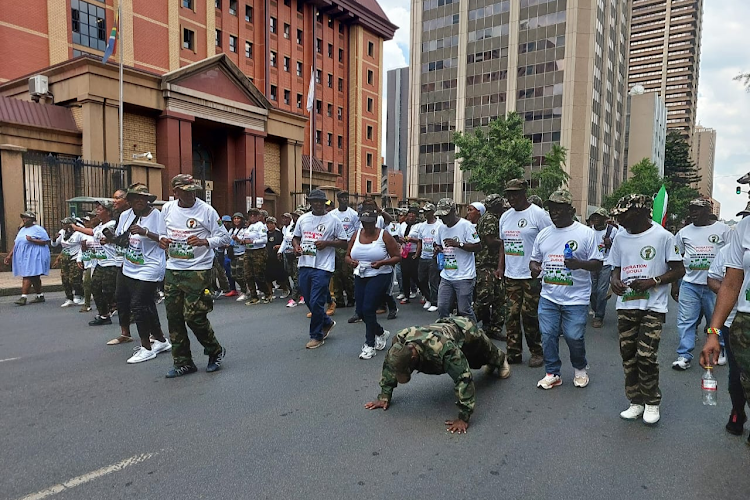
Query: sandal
122, 339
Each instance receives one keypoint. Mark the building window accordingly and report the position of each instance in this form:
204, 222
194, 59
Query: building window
318, 75
341, 142
287, 96
288, 3
317, 137
273, 25
340, 113
248, 13
286, 64
370, 49
341, 84
299, 37
188, 39
273, 92
188, 4
319, 45
330, 139
369, 104
299, 101
318, 106
341, 27
299, 68
341, 168
330, 109
233, 7
330, 166
330, 21
318, 17
369, 186
370, 76
369, 132
300, 5
287, 30
218, 38
232, 43
248, 50
369, 163
89, 24
341, 55
273, 59
217, 4
330, 50
330, 81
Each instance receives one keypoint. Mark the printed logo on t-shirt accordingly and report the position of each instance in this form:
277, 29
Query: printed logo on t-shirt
191, 223
573, 244
648, 252
522, 223
636, 295
676, 249
714, 238
321, 228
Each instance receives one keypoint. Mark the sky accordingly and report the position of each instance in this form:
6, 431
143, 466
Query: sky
723, 104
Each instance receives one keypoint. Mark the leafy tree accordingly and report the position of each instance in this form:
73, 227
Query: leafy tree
553, 175
744, 79
645, 179
680, 175
494, 156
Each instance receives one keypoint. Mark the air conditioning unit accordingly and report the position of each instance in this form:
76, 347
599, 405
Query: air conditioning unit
38, 85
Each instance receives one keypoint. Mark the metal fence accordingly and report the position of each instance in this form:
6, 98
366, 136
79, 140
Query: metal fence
49, 181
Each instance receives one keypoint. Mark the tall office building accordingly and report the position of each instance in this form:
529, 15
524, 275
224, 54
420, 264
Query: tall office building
665, 55
703, 153
561, 64
397, 122
645, 129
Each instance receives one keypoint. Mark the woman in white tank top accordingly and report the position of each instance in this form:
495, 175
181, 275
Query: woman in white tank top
372, 253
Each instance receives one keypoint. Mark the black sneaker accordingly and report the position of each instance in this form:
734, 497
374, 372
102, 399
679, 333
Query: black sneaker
98, 321
214, 362
392, 314
37, 300
179, 371
355, 319
736, 423
514, 360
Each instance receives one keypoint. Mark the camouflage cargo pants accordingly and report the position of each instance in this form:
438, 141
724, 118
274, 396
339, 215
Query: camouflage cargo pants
489, 306
255, 272
103, 285
290, 264
87, 287
343, 279
739, 338
523, 302
237, 264
481, 351
188, 305
219, 274
72, 277
640, 334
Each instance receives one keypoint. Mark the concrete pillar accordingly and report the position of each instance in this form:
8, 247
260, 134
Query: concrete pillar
112, 133
147, 173
174, 141
290, 174
11, 169
92, 116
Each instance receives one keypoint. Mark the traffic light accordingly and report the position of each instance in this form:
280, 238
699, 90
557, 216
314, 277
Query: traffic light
739, 190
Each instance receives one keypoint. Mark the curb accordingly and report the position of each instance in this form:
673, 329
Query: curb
9, 292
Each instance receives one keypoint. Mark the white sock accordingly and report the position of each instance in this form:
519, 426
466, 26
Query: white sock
24, 296
580, 373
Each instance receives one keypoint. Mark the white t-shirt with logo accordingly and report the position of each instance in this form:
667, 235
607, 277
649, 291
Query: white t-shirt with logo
459, 264
599, 236
180, 223
518, 230
70, 247
561, 285
105, 255
86, 256
699, 245
738, 257
717, 271
427, 233
237, 248
349, 219
311, 228
286, 246
395, 229
644, 256
143, 259
258, 233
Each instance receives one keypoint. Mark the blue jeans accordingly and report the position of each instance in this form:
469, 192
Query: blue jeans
460, 290
228, 270
571, 322
695, 300
599, 288
313, 285
368, 295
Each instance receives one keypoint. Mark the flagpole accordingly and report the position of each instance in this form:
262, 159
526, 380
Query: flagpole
119, 36
312, 138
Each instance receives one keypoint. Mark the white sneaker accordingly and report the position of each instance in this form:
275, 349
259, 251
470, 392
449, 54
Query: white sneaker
581, 378
291, 303
432, 309
67, 303
241, 298
142, 355
651, 414
367, 352
382, 340
413, 295
301, 301
549, 381
427, 304
722, 357
158, 347
77, 300
161, 297
681, 364
285, 294
400, 296
632, 413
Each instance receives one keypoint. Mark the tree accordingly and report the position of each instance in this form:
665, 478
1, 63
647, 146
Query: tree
680, 175
645, 179
494, 156
744, 79
553, 175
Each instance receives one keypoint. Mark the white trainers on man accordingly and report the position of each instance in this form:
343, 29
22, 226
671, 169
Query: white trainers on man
77, 300
241, 298
651, 414
581, 378
427, 304
432, 309
681, 364
549, 381
400, 296
633, 412
158, 346
382, 340
367, 352
67, 303
291, 303
142, 355
722, 357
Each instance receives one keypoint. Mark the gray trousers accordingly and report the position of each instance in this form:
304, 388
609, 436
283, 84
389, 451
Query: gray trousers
462, 291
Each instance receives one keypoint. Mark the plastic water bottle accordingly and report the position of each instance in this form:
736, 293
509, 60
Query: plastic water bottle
709, 387
441, 261
568, 252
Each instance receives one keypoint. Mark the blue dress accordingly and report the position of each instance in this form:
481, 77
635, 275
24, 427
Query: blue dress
30, 259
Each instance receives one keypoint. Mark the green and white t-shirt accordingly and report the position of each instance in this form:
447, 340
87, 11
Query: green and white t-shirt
428, 234
561, 285
201, 221
644, 256
105, 255
143, 259
311, 228
459, 264
518, 230
699, 246
71, 247
258, 233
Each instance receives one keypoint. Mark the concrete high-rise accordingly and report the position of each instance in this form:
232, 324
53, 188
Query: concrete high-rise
397, 122
646, 129
561, 65
703, 152
665, 55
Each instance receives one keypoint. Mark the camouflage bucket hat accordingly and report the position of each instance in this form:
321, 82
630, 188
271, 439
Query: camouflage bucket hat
561, 196
701, 202
444, 206
186, 182
108, 205
631, 201
264, 213
534, 200
601, 212
493, 200
254, 211
238, 214
399, 357
29, 214
141, 190
68, 220
272, 220
517, 185
287, 215
429, 207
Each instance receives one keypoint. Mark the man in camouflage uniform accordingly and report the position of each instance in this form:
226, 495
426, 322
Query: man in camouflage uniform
454, 346
644, 261
255, 238
489, 305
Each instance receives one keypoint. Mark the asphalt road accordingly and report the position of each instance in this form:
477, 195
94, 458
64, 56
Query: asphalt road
282, 422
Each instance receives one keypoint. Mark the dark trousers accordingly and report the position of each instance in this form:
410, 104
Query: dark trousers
736, 393
313, 285
103, 283
410, 272
429, 279
228, 271
136, 297
369, 293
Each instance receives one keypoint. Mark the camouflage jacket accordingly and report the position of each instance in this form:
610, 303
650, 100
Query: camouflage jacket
439, 347
488, 225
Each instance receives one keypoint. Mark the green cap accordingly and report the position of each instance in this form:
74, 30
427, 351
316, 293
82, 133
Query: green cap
108, 205
517, 185
186, 182
140, 190
444, 206
429, 207
631, 201
561, 196
493, 200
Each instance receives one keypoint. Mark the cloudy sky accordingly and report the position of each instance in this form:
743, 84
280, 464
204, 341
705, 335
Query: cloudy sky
722, 103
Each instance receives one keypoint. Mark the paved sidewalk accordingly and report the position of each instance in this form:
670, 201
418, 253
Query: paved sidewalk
11, 285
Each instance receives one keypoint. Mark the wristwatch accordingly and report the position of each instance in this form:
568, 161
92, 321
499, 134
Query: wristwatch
657, 280
461, 244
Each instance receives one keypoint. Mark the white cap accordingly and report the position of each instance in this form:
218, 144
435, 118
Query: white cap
479, 206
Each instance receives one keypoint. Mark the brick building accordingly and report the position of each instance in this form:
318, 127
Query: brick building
277, 44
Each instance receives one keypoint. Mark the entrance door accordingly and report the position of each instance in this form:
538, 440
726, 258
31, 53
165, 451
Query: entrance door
203, 169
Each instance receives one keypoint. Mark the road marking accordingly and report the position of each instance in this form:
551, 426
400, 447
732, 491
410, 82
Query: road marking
85, 478
9, 359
